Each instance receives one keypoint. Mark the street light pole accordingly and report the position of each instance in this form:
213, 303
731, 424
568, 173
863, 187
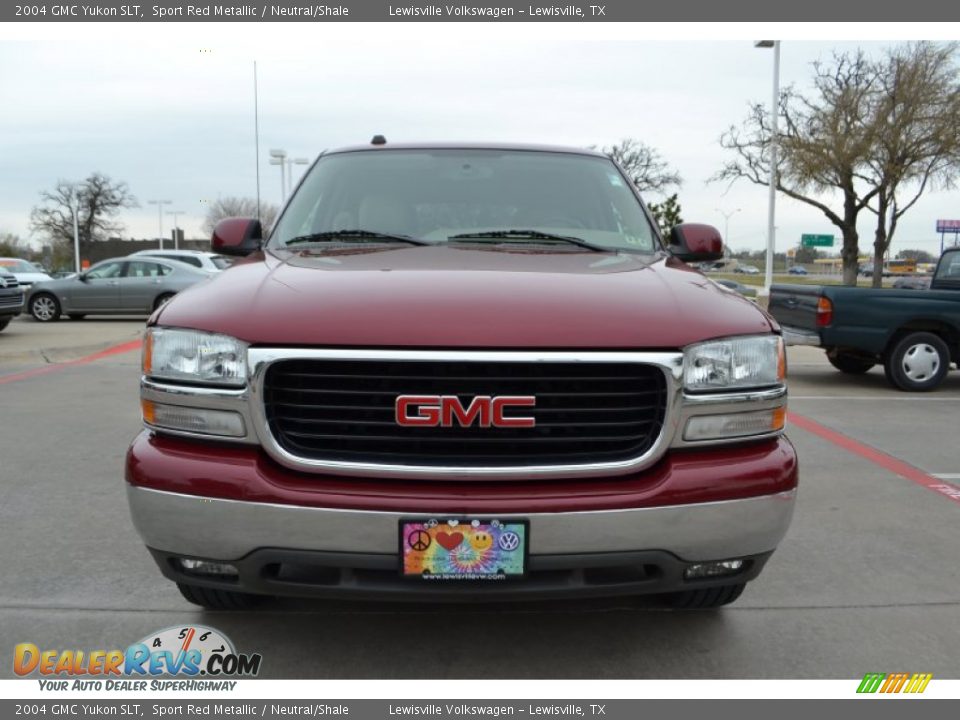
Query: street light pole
160, 204
726, 222
279, 157
774, 151
176, 228
76, 236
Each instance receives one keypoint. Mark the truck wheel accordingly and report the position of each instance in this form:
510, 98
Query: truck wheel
918, 362
45, 308
213, 599
704, 598
850, 364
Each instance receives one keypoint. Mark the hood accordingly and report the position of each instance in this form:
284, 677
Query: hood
463, 296
30, 277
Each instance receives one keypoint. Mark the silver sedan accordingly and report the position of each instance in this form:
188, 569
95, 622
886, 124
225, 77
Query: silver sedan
120, 286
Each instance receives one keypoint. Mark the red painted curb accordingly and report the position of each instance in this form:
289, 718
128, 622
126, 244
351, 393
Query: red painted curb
877, 457
46, 369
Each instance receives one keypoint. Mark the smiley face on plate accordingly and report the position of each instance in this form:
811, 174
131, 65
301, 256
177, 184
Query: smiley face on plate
481, 540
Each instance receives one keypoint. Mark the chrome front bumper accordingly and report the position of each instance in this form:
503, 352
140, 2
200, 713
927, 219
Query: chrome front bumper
217, 529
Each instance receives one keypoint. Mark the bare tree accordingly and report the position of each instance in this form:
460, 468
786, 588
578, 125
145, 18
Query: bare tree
239, 207
826, 141
917, 137
97, 201
644, 165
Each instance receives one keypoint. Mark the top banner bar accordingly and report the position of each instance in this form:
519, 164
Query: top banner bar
485, 11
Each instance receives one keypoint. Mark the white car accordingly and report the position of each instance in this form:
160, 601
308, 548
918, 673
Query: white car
211, 262
26, 273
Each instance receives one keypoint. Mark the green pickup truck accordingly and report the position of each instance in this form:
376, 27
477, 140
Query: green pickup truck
915, 334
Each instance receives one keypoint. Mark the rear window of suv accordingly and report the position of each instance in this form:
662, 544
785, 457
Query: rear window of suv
434, 194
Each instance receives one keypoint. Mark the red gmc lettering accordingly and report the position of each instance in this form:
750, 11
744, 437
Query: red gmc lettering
444, 410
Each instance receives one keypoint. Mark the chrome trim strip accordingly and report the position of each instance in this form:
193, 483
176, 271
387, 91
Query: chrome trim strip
204, 527
259, 359
796, 336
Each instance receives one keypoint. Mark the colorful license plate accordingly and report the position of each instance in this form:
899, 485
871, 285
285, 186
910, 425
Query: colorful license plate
463, 549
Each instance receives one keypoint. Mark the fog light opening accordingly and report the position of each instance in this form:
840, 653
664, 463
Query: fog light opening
206, 567
705, 571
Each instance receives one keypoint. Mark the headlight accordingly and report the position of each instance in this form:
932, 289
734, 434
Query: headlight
195, 357
734, 364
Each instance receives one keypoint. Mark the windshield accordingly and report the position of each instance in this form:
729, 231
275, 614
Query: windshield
949, 269
433, 195
18, 266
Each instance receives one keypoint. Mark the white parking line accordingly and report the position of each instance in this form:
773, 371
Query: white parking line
946, 476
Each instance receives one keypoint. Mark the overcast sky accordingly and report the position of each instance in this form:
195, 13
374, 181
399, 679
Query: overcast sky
177, 123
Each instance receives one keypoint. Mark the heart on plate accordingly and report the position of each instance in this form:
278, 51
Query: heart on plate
449, 540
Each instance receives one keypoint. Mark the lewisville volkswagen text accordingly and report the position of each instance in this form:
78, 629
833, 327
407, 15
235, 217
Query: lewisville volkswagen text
462, 372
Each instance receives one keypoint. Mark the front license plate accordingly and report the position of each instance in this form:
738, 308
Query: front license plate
463, 549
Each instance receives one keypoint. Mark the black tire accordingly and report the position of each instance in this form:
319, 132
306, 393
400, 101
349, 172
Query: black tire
705, 598
918, 362
4, 322
44, 307
76, 316
162, 300
214, 599
850, 364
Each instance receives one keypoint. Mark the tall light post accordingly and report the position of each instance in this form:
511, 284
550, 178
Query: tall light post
279, 157
286, 163
76, 236
160, 204
774, 148
290, 163
726, 222
176, 228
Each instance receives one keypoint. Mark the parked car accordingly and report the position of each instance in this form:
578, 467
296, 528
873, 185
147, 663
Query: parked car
11, 298
798, 270
462, 373
915, 336
119, 286
746, 270
913, 282
25, 272
211, 262
738, 288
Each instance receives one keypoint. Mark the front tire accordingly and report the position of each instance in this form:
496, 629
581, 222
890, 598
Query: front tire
214, 599
918, 362
44, 307
850, 364
4, 322
706, 598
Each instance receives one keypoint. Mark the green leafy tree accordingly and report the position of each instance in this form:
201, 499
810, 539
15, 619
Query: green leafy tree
666, 213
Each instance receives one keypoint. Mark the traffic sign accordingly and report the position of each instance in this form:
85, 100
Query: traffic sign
816, 240
792, 253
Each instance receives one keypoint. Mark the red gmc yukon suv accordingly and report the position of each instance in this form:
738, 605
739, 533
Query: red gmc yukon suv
471, 372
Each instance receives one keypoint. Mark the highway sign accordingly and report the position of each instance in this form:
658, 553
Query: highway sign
816, 240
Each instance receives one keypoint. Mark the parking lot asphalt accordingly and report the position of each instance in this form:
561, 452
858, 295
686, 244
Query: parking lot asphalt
866, 579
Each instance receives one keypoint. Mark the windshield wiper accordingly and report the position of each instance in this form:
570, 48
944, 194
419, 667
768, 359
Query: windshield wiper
530, 235
355, 235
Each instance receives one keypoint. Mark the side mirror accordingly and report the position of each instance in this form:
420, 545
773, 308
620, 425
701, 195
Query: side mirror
237, 236
82, 277
692, 242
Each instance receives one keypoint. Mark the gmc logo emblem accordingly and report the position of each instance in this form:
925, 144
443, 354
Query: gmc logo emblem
445, 410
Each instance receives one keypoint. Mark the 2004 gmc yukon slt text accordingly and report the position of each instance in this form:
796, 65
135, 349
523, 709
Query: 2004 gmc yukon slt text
462, 373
